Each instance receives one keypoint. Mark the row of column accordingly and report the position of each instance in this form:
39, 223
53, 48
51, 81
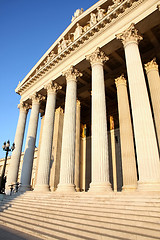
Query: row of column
143, 127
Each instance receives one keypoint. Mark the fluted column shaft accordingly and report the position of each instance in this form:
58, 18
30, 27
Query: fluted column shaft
77, 147
56, 149
16, 155
126, 137
145, 138
42, 183
154, 86
69, 128
100, 164
30, 144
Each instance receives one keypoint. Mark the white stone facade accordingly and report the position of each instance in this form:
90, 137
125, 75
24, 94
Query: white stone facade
96, 135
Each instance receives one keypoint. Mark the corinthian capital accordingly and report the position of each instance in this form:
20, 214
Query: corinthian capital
152, 65
120, 81
97, 57
71, 74
129, 35
23, 106
52, 87
36, 98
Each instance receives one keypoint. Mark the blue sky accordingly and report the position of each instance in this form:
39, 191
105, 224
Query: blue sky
27, 29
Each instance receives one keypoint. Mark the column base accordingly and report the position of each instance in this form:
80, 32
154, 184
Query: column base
66, 188
100, 187
41, 188
77, 189
148, 186
129, 188
8, 191
53, 189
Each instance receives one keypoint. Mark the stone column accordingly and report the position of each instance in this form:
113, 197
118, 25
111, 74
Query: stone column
30, 143
145, 137
126, 137
16, 155
113, 150
56, 149
39, 147
100, 163
83, 158
43, 173
154, 86
69, 128
77, 148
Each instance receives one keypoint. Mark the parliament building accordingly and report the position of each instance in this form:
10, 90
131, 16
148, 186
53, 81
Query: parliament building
97, 92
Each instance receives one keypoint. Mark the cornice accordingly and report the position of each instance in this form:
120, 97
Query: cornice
51, 58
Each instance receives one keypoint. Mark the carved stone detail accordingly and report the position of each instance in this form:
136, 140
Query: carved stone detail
158, 6
129, 35
100, 13
77, 13
152, 65
52, 54
120, 81
78, 31
93, 19
115, 4
78, 103
23, 106
71, 74
52, 87
52, 59
59, 110
59, 48
36, 98
97, 57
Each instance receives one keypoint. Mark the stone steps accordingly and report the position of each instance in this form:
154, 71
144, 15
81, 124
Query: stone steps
91, 200
89, 220
79, 207
83, 216
147, 217
83, 203
79, 229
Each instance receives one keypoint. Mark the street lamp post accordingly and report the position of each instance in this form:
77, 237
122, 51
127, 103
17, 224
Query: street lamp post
6, 147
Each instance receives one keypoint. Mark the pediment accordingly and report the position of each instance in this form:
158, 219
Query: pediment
81, 28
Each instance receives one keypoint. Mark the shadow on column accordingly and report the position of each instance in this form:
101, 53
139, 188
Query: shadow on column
27, 165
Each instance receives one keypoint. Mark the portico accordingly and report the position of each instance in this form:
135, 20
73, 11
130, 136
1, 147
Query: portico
84, 64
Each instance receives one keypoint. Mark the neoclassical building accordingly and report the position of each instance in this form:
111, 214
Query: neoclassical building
98, 91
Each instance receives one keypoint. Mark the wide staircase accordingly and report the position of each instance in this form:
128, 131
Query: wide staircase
83, 215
